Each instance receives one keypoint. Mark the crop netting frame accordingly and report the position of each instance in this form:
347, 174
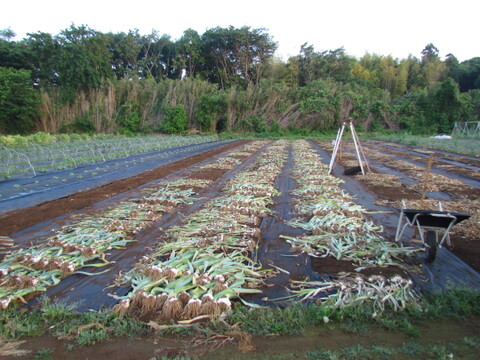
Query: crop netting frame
469, 129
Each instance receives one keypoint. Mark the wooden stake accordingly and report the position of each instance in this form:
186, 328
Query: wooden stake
425, 186
427, 178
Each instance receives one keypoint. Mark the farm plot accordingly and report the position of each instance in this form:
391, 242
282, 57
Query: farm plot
189, 245
442, 159
18, 219
207, 263
56, 183
401, 176
338, 230
30, 159
76, 245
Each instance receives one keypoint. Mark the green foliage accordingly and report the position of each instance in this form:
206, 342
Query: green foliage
120, 82
45, 354
458, 302
210, 110
18, 101
129, 119
446, 106
174, 120
235, 55
80, 126
91, 336
275, 127
315, 98
57, 311
13, 140
83, 60
291, 320
254, 124
42, 138
469, 74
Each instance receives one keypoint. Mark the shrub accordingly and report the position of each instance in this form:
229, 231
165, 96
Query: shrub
275, 127
254, 123
81, 126
129, 119
174, 120
210, 109
42, 138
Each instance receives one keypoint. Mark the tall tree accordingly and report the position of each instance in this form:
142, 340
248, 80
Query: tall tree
307, 64
470, 74
433, 67
156, 58
429, 53
18, 101
236, 55
125, 49
189, 52
83, 61
13, 54
452, 67
44, 50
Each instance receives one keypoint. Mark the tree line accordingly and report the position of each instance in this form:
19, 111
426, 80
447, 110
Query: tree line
83, 80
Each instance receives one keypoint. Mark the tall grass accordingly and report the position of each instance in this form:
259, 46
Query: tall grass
273, 104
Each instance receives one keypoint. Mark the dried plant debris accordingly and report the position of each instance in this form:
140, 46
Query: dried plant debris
349, 290
204, 262
27, 272
335, 225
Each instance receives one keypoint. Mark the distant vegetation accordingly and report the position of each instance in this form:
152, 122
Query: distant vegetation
226, 79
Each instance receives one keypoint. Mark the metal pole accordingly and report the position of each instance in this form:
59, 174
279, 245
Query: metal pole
335, 148
352, 129
361, 150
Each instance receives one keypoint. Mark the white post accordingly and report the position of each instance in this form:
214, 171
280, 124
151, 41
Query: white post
335, 148
352, 129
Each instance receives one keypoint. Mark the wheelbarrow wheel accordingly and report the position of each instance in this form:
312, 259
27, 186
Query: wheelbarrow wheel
432, 245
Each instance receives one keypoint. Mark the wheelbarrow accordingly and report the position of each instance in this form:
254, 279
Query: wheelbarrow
430, 224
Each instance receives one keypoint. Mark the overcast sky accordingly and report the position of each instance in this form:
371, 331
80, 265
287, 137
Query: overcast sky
385, 27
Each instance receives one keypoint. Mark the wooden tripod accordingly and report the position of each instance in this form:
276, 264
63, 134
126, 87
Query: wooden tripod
358, 148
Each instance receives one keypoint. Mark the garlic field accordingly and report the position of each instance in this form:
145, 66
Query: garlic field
190, 245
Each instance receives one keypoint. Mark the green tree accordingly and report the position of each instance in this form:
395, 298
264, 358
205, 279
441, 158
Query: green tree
189, 52
433, 67
446, 106
83, 61
236, 55
44, 51
453, 67
125, 49
430, 53
157, 57
18, 101
335, 64
13, 54
470, 74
